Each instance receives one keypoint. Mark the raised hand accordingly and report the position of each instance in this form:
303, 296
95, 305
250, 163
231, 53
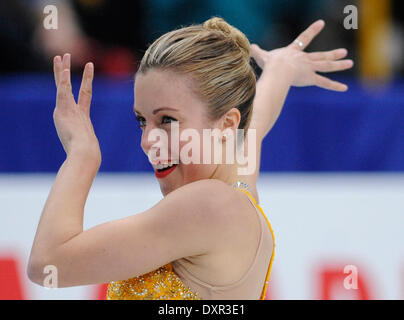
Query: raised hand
301, 66
72, 120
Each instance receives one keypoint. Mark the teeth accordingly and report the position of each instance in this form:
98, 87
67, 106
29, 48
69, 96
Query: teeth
165, 165
162, 166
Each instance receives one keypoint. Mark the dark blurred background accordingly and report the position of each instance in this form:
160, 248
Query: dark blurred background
116, 33
317, 131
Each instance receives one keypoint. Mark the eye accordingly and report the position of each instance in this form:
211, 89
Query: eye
170, 119
141, 120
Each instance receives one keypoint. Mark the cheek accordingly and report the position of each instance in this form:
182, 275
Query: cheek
191, 150
194, 148
194, 171
157, 144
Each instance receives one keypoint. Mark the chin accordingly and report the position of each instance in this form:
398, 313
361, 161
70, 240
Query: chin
194, 173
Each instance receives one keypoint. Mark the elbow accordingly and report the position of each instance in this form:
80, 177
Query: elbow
33, 273
38, 272
47, 273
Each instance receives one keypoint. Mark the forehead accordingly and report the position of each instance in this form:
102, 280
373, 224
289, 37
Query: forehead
158, 88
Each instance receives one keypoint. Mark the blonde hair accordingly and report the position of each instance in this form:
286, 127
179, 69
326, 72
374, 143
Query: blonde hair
216, 56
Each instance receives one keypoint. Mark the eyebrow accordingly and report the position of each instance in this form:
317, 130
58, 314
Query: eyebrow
159, 109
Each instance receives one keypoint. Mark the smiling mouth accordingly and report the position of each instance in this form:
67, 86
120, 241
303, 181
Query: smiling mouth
162, 173
167, 168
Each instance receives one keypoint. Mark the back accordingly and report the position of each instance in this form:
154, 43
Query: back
253, 284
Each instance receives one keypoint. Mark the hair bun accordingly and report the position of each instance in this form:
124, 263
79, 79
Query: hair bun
219, 24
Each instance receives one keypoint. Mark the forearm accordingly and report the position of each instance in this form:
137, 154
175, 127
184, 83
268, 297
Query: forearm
62, 216
272, 89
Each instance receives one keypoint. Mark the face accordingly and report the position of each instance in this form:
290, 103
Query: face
164, 99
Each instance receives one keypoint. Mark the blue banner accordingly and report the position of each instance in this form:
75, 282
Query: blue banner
318, 130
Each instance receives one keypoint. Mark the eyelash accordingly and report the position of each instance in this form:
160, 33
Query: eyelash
141, 119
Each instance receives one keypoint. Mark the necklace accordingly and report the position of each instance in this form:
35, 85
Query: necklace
241, 184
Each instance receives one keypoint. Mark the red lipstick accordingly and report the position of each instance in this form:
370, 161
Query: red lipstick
164, 173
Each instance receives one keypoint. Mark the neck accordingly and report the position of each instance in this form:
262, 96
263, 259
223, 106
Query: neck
226, 173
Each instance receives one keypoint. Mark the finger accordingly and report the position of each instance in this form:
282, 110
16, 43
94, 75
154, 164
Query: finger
308, 35
328, 55
66, 64
62, 68
332, 66
64, 88
326, 83
57, 69
66, 61
257, 53
85, 93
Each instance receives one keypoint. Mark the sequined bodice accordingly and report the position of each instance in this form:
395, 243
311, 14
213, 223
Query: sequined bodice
160, 284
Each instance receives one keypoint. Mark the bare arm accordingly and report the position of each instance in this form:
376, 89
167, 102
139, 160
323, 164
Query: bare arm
62, 215
286, 67
182, 224
272, 89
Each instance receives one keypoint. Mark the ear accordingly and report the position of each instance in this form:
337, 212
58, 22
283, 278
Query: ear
231, 119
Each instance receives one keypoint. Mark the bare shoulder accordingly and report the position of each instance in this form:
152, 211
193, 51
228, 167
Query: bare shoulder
211, 199
193, 220
204, 216
230, 228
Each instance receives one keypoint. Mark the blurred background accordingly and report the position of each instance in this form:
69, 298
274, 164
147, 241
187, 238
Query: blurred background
332, 170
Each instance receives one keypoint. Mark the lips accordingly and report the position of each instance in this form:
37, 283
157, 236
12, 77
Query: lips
164, 172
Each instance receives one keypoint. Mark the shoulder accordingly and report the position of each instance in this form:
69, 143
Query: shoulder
201, 210
216, 190
208, 196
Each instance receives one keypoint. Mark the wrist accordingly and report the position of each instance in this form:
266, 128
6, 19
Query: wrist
280, 67
85, 153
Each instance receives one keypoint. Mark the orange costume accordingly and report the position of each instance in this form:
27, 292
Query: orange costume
167, 282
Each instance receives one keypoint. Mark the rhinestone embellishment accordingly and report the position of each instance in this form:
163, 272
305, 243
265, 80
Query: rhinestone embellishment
242, 185
160, 284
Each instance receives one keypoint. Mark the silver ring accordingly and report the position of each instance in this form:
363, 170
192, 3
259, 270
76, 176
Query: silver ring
299, 43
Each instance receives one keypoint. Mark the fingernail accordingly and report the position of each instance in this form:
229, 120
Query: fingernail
67, 56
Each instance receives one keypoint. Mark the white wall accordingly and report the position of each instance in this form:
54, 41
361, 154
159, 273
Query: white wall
321, 222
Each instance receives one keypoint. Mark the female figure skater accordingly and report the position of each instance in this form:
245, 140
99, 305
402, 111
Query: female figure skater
208, 238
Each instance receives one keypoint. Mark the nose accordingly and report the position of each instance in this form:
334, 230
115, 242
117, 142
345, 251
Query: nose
144, 142
154, 142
